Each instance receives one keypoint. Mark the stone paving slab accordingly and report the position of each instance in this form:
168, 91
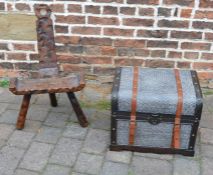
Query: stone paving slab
66, 151
53, 143
36, 157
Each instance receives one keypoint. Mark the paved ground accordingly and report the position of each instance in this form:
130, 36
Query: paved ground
52, 143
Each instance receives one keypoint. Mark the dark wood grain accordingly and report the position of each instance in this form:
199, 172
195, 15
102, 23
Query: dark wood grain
53, 100
76, 106
48, 79
23, 111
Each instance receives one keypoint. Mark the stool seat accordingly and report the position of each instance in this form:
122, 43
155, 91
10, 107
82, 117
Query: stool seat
58, 84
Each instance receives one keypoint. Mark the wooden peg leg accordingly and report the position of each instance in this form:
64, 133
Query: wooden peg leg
79, 113
53, 100
23, 111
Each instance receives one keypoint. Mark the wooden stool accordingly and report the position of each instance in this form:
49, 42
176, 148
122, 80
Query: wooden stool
49, 79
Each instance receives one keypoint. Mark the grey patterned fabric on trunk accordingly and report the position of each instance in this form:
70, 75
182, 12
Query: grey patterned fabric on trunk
157, 94
157, 91
148, 135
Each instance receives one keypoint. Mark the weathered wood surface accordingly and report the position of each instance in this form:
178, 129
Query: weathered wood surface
48, 79
71, 83
23, 112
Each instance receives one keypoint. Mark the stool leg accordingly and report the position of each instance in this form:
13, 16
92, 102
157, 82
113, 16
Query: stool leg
23, 111
53, 100
79, 113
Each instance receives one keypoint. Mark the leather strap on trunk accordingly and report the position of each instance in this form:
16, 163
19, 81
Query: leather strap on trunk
176, 130
132, 125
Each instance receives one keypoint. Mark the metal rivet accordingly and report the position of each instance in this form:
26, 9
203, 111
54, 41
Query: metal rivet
113, 129
193, 135
113, 142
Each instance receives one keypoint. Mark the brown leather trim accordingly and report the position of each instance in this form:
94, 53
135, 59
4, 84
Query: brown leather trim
176, 130
132, 125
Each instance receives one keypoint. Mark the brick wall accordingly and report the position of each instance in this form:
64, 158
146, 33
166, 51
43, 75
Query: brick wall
98, 35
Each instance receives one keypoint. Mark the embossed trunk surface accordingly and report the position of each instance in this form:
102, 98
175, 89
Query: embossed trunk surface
157, 99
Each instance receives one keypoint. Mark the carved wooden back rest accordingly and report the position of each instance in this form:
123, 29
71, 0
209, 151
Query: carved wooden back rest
46, 43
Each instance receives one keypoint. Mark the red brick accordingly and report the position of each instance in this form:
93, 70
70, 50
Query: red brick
128, 62
162, 44
174, 54
86, 30
173, 23
108, 1
206, 3
191, 55
92, 9
203, 65
9, 73
71, 19
74, 8
147, 2
26, 47
152, 33
189, 3
68, 39
195, 46
62, 49
26, 66
125, 51
146, 11
96, 60
166, 12
202, 25
2, 56
92, 50
204, 14
61, 29
103, 20
129, 43
59, 8
158, 53
183, 64
118, 32
209, 36
5, 65
207, 56
186, 35
2, 6
22, 7
204, 75
127, 10
159, 63
186, 13
34, 56
104, 70
16, 56
4, 46
76, 68
96, 41
110, 10
108, 50
72, 59
141, 52
138, 22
